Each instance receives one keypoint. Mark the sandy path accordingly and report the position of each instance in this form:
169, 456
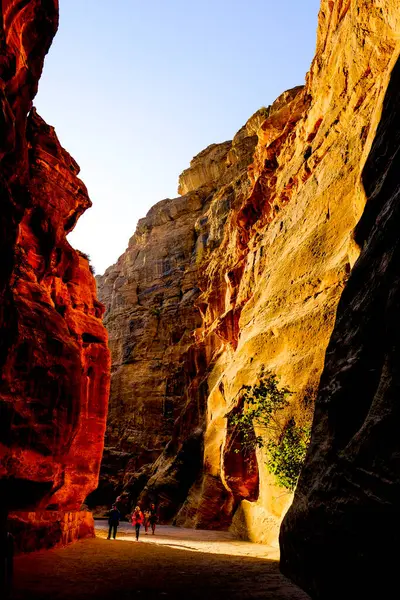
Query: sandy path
177, 564
216, 542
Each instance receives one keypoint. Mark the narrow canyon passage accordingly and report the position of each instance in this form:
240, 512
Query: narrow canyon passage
175, 563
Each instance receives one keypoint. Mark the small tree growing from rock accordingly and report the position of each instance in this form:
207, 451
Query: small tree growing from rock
285, 442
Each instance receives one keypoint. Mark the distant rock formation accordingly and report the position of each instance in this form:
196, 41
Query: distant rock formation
54, 360
151, 297
245, 269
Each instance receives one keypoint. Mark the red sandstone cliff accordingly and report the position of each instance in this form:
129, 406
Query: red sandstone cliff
272, 248
54, 360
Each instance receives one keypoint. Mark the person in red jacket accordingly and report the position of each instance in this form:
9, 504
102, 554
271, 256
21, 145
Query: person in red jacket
137, 520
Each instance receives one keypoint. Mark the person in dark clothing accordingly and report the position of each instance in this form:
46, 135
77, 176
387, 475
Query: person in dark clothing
113, 520
153, 517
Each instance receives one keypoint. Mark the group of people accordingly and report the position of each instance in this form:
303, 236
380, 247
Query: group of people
148, 519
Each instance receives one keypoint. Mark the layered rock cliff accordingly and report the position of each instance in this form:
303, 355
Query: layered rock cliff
347, 500
54, 360
264, 256
151, 295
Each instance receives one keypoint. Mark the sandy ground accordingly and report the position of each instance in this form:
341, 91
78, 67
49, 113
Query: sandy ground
175, 563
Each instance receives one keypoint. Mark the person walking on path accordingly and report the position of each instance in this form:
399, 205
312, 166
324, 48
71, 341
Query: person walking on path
146, 521
153, 517
137, 520
113, 520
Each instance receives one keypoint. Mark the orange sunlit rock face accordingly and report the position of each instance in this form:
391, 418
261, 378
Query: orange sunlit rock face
54, 359
348, 495
264, 259
174, 301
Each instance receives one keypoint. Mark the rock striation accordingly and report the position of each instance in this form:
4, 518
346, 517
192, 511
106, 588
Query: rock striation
267, 253
151, 298
54, 360
348, 495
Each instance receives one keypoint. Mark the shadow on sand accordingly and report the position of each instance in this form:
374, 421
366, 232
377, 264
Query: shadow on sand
101, 569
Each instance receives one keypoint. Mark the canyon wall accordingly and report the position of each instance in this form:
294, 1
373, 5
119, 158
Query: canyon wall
54, 359
264, 257
151, 296
348, 496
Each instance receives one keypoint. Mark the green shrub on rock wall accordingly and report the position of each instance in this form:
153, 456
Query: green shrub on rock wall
286, 456
285, 442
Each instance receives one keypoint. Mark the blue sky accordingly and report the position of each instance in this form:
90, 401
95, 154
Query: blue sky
135, 91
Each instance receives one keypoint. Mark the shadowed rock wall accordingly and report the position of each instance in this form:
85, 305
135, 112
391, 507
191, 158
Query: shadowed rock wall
54, 360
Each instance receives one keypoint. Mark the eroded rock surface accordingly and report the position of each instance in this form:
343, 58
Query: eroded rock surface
157, 371
348, 496
54, 360
271, 250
